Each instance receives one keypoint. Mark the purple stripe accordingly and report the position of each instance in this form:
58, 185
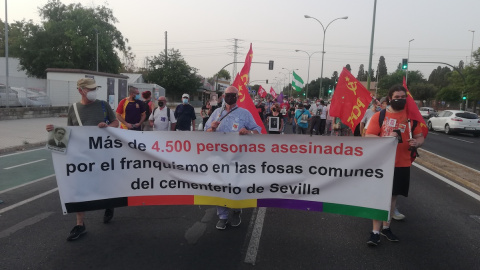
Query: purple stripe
291, 204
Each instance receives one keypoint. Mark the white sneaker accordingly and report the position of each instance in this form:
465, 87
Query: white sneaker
397, 215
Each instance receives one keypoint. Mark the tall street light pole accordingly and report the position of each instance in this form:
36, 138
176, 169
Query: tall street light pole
408, 60
284, 78
308, 73
471, 54
96, 31
289, 72
323, 47
6, 57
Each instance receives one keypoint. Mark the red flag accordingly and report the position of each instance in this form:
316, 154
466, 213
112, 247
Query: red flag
413, 112
244, 99
261, 92
273, 93
246, 67
350, 100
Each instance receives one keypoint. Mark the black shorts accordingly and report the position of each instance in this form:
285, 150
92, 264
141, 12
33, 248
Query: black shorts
401, 181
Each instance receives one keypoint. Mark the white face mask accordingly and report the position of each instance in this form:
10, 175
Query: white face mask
91, 95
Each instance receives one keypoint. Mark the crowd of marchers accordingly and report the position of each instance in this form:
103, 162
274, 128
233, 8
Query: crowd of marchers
138, 112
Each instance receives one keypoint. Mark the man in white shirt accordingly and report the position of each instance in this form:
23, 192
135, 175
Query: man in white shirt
315, 111
162, 116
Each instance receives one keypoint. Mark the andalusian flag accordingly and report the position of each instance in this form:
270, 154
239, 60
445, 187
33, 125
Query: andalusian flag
297, 82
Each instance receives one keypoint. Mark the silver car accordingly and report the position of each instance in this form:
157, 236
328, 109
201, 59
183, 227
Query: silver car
452, 121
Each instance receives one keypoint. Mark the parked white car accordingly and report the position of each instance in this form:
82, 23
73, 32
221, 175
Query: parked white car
30, 98
452, 121
12, 100
427, 112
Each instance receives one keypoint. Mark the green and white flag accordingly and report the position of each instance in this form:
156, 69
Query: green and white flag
297, 82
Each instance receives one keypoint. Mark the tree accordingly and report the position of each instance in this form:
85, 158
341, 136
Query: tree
66, 38
382, 68
14, 37
223, 74
423, 91
439, 77
392, 79
348, 68
175, 75
361, 73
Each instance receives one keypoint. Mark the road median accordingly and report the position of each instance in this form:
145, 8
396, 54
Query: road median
454, 171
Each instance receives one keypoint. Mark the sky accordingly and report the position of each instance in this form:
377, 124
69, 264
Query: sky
204, 32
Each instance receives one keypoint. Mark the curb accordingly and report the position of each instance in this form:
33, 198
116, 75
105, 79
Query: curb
461, 175
24, 147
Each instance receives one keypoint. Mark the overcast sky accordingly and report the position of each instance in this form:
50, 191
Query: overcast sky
204, 32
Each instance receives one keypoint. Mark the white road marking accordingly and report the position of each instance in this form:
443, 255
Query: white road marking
25, 223
13, 206
24, 164
453, 138
451, 161
252, 249
21, 152
451, 183
26, 184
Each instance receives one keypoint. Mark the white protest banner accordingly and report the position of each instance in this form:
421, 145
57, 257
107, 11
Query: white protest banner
109, 167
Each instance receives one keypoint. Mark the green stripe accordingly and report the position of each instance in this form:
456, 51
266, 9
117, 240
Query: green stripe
355, 211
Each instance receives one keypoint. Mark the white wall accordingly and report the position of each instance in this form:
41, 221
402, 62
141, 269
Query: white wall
62, 88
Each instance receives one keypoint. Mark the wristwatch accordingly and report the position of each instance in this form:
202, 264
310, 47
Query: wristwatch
251, 132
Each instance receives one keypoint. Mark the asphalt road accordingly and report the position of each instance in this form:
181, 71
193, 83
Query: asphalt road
441, 231
462, 148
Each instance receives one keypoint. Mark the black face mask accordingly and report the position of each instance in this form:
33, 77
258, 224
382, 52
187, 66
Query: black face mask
398, 104
274, 110
230, 98
160, 104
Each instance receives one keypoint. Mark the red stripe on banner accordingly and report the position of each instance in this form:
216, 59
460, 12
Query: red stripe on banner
161, 200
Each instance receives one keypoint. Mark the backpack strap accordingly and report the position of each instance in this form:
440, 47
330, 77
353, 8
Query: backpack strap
168, 114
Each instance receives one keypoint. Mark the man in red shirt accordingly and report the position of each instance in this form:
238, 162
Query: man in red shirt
395, 121
131, 111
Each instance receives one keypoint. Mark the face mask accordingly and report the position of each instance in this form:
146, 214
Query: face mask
274, 110
160, 104
378, 109
185, 100
137, 96
318, 103
230, 98
284, 101
91, 95
398, 104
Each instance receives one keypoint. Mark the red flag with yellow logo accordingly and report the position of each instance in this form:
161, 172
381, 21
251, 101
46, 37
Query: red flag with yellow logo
350, 100
244, 99
413, 112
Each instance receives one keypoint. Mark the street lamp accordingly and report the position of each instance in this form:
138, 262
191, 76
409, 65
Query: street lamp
96, 31
473, 37
289, 72
308, 73
408, 60
284, 78
323, 47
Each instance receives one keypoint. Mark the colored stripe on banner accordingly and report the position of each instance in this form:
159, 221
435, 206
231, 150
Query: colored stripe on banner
355, 211
161, 200
96, 205
291, 204
207, 200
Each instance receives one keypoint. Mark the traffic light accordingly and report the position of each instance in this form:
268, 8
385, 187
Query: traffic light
267, 82
464, 97
270, 65
404, 63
